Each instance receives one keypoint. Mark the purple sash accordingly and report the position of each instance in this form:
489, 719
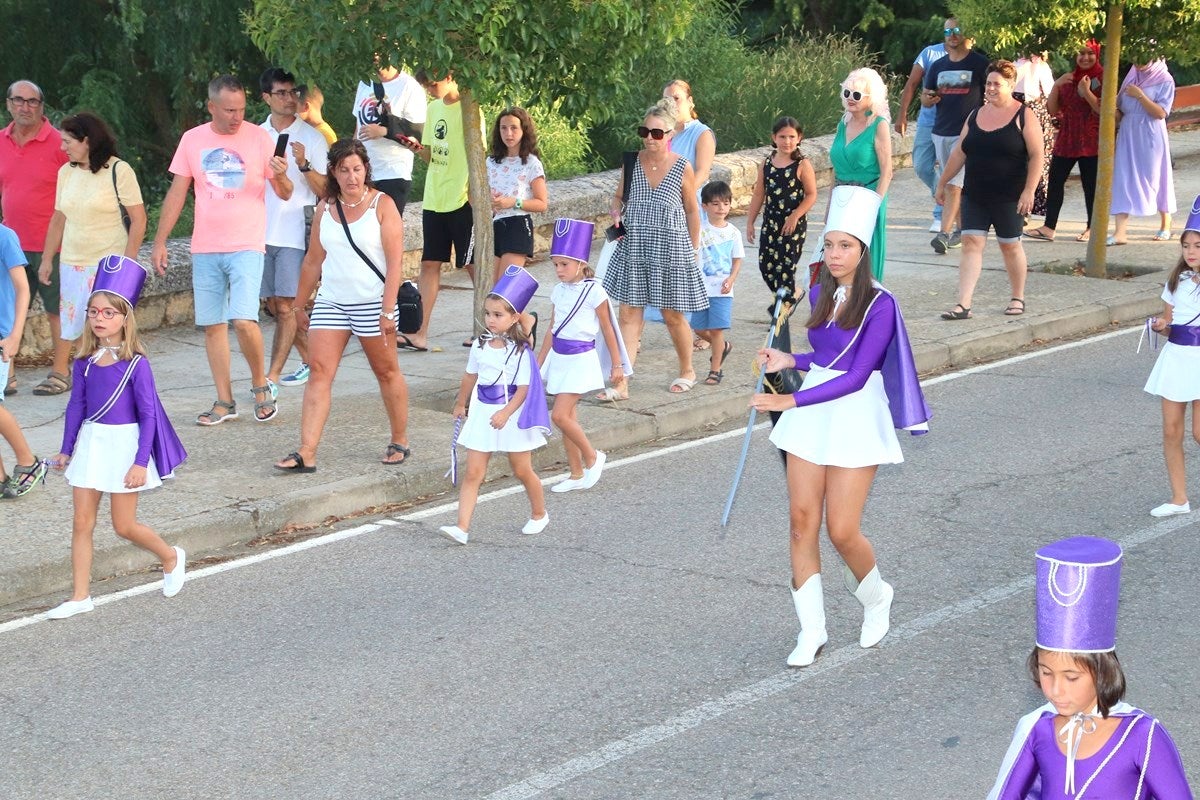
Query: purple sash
571, 347
495, 395
1187, 335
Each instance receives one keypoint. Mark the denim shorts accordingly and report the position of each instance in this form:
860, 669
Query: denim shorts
226, 285
717, 317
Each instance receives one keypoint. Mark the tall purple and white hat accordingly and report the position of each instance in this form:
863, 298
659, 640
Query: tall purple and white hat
516, 286
121, 276
572, 239
1193, 220
1078, 588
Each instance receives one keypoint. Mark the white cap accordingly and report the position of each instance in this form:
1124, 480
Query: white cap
853, 210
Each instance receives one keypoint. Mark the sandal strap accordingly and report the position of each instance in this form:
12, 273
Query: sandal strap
393, 449
229, 405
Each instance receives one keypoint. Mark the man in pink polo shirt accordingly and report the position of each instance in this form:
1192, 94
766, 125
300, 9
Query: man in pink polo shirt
230, 164
30, 155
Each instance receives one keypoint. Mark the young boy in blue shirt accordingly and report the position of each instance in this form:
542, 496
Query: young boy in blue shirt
29, 470
721, 255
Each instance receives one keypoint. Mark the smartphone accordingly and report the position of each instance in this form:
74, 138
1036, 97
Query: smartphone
281, 145
409, 141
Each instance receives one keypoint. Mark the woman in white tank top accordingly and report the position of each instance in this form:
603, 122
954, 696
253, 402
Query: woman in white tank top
355, 253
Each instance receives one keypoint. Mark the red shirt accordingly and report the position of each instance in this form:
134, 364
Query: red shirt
1079, 134
28, 176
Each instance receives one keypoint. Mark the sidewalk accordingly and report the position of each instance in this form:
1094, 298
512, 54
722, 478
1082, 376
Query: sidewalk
228, 494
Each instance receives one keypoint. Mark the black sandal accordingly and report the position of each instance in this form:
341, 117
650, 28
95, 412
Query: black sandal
393, 449
962, 313
1012, 310
714, 377
299, 466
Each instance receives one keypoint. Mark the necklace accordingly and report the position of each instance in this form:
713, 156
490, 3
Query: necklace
348, 204
654, 167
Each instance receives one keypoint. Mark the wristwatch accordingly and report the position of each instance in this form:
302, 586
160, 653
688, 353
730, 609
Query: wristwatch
307, 166
518, 204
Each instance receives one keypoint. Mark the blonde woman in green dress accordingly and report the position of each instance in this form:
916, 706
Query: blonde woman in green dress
862, 149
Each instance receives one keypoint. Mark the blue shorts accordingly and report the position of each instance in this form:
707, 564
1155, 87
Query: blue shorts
281, 271
225, 286
717, 317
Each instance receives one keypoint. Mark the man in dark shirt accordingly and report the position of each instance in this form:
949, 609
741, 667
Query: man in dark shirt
954, 87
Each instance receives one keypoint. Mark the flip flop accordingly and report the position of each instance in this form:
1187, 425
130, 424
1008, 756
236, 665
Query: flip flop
610, 394
681, 385
1037, 234
298, 467
1163, 236
404, 343
1083, 237
394, 449
1112, 242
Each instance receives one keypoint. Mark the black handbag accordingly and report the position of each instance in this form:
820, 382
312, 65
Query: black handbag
628, 159
408, 299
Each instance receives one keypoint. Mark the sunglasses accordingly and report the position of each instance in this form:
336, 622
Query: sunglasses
106, 313
849, 95
951, 31
654, 133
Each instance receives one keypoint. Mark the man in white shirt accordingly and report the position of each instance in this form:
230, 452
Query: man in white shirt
389, 118
286, 243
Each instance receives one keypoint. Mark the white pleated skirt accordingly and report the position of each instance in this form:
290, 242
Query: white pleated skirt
1176, 373
852, 431
578, 373
478, 434
103, 454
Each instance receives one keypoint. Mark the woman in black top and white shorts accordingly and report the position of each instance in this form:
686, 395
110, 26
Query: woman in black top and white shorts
1001, 150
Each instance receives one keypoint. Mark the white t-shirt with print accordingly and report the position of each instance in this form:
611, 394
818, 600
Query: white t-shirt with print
718, 248
511, 178
406, 99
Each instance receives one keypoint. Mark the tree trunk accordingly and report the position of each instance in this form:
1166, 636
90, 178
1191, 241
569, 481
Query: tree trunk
1097, 252
480, 195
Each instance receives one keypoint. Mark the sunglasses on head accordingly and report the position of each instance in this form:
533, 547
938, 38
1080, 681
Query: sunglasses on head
952, 31
654, 133
849, 95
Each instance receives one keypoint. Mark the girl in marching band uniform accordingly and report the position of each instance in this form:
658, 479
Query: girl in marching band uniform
507, 403
117, 437
576, 354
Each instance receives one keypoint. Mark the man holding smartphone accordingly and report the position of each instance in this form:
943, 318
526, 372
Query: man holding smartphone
306, 154
230, 165
389, 117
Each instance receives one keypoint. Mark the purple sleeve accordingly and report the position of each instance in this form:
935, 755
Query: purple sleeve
145, 399
804, 360
1165, 777
865, 356
1021, 777
75, 408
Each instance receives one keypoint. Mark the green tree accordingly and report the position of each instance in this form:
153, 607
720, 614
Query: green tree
1136, 31
575, 53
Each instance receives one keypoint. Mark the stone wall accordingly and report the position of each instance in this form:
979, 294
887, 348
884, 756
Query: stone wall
168, 300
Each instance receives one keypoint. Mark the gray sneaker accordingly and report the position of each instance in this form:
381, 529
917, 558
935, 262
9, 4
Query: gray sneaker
940, 243
955, 240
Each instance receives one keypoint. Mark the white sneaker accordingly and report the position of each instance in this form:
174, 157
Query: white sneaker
569, 485
935, 226
536, 525
592, 474
453, 533
71, 608
173, 580
1170, 510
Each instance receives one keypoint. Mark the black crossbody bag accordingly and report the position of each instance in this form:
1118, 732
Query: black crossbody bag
409, 313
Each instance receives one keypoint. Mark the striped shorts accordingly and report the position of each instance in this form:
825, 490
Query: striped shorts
361, 319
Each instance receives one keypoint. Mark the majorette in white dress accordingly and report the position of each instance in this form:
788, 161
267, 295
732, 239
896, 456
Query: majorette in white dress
500, 371
1176, 373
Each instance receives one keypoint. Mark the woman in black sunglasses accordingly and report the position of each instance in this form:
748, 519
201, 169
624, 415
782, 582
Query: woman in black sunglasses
655, 262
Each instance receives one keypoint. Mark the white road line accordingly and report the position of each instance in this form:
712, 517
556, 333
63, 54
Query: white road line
649, 736
434, 511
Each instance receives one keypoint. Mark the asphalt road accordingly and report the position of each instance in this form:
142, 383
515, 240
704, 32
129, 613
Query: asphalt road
635, 649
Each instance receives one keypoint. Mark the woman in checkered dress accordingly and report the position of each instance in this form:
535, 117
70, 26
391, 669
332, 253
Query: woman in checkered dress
655, 262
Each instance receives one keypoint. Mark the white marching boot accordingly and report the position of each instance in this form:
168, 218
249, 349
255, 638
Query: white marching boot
875, 594
809, 600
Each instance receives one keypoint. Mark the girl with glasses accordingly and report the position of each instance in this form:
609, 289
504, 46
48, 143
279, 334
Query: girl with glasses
117, 438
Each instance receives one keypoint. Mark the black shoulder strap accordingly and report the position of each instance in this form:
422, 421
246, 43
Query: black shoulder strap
628, 160
350, 239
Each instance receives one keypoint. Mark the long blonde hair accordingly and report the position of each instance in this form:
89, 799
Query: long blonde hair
130, 345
